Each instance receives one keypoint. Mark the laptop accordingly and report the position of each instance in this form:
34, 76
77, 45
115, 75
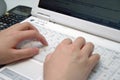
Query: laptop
98, 21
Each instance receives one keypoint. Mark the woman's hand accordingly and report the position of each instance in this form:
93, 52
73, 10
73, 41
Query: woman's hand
70, 61
12, 36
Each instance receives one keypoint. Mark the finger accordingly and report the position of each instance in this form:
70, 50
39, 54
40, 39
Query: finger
25, 53
93, 60
87, 49
27, 26
48, 57
31, 34
43, 40
66, 41
24, 26
79, 42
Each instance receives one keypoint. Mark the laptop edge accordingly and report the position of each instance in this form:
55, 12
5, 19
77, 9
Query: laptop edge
79, 24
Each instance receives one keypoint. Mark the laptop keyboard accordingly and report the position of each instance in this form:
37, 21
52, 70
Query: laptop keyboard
108, 67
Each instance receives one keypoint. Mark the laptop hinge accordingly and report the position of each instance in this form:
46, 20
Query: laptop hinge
42, 16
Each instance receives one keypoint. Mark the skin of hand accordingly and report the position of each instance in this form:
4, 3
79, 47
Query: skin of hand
12, 36
70, 61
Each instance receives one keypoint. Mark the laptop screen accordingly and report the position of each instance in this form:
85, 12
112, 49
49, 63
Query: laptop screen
105, 12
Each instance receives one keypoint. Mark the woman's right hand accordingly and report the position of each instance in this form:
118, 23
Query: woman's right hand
71, 61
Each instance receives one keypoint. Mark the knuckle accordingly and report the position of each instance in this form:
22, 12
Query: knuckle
14, 54
84, 62
60, 46
26, 23
81, 39
33, 32
73, 48
68, 39
90, 44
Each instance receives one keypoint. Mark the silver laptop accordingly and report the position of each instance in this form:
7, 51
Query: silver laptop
96, 21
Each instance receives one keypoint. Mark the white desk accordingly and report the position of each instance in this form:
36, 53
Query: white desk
13, 3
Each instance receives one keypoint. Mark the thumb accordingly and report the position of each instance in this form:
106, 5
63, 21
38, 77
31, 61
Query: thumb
26, 53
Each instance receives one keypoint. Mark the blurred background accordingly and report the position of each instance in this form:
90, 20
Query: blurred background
13, 3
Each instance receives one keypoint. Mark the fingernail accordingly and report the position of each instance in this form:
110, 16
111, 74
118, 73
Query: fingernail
36, 50
46, 43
